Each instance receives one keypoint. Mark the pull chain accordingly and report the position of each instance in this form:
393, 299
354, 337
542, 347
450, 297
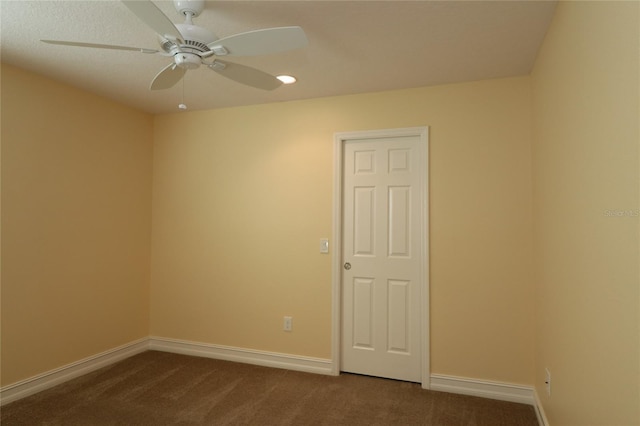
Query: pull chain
182, 106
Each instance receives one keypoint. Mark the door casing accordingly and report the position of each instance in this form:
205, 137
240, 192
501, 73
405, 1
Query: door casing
338, 163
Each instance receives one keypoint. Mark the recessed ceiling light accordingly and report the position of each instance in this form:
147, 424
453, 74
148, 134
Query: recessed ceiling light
286, 79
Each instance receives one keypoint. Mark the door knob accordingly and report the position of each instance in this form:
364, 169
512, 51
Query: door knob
347, 266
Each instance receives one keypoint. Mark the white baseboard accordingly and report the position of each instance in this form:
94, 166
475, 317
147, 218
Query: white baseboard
485, 389
67, 372
542, 417
247, 356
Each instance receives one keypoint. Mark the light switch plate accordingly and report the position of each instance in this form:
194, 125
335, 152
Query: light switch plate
324, 245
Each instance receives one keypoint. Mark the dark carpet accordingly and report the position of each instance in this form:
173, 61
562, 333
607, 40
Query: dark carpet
158, 388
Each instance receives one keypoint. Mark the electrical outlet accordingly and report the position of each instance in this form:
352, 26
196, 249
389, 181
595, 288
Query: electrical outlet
288, 324
547, 381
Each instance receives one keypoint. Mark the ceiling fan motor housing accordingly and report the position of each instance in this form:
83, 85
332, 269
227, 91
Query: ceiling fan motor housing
189, 55
195, 34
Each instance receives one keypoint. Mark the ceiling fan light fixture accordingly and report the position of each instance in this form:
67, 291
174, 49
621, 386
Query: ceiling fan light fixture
287, 79
187, 61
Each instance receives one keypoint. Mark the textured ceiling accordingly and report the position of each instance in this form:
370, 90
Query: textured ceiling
354, 46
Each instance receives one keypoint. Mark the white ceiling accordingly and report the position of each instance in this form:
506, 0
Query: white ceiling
354, 46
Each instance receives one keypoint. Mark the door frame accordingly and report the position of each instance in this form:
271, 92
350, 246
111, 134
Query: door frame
340, 139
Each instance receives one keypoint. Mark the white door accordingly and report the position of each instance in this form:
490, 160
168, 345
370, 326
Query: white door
383, 256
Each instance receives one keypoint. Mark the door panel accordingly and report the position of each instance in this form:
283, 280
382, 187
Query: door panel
398, 312
381, 241
363, 313
399, 221
364, 200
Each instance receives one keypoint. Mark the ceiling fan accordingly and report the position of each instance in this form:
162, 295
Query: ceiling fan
191, 46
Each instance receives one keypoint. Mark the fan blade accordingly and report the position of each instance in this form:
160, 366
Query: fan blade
168, 77
261, 42
100, 46
154, 18
246, 75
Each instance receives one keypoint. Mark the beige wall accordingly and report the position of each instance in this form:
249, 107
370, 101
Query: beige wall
76, 199
242, 196
586, 201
